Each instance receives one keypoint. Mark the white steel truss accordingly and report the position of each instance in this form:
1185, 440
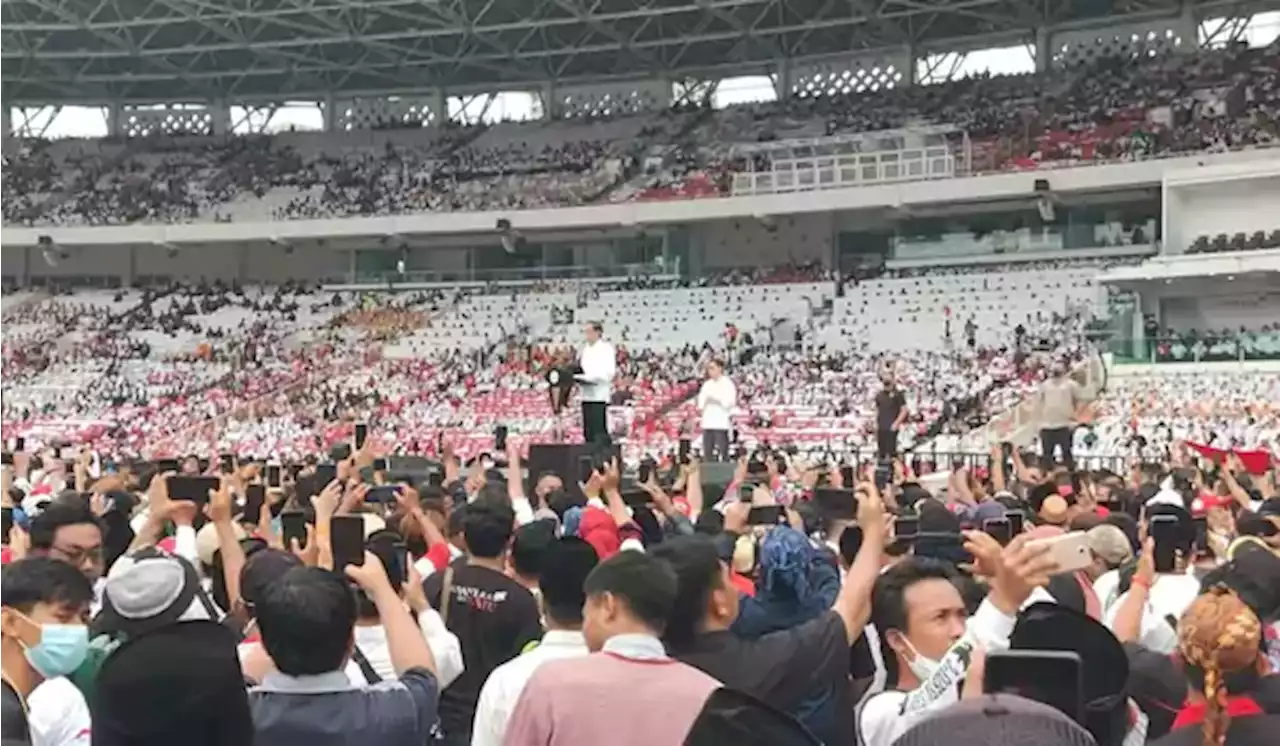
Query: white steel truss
111, 51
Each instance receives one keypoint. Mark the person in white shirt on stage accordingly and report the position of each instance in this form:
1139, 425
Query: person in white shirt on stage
598, 364
716, 399
565, 567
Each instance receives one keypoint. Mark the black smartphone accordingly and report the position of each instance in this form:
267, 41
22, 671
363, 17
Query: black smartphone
644, 470
254, 497
906, 527
435, 477
274, 475
293, 525
686, 446
379, 464
500, 438
586, 465
362, 434
998, 529
1201, 524
324, 474
766, 515
6, 459
6, 523
847, 477
19, 444
166, 465
393, 555
1016, 519
226, 463
746, 492
384, 494
636, 498
346, 538
1164, 532
834, 504
1051, 677
193, 489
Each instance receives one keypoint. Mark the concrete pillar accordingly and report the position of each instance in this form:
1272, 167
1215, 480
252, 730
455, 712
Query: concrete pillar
1044, 49
910, 66
550, 100
115, 119
7, 114
439, 103
329, 110
221, 117
782, 86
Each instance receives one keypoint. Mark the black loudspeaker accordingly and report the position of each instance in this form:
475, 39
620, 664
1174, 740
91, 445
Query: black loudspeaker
412, 463
715, 480
561, 459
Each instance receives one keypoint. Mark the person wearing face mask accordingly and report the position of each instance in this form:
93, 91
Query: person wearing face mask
44, 612
927, 638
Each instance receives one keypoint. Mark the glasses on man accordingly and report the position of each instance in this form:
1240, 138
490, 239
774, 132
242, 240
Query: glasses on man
77, 555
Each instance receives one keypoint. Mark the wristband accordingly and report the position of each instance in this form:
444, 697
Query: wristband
1141, 582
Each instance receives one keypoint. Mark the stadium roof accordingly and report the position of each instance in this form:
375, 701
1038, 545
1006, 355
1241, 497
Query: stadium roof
100, 51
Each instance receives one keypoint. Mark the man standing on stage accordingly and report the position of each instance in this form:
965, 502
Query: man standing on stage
598, 364
1061, 399
716, 399
891, 412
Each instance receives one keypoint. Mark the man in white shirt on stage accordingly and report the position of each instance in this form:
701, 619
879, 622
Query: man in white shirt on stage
599, 363
716, 399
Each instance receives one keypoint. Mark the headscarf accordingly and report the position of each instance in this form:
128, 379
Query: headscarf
797, 583
1220, 635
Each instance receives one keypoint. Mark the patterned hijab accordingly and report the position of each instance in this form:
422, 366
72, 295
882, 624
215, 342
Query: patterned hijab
1220, 635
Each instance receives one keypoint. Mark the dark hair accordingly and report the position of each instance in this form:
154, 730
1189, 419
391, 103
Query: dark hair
37, 580
566, 565
696, 564
307, 618
646, 584
217, 577
597, 326
889, 599
261, 569
457, 520
58, 514
530, 545
487, 527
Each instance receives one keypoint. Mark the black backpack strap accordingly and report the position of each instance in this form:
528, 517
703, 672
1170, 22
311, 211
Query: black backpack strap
366, 668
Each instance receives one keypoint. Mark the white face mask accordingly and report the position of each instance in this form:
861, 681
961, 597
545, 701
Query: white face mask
921, 667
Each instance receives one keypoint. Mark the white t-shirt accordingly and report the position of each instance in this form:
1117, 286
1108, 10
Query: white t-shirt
716, 399
58, 715
1170, 595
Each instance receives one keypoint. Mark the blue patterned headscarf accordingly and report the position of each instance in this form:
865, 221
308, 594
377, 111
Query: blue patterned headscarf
797, 582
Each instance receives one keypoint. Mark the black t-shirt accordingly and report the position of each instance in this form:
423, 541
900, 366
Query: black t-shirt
14, 730
889, 403
494, 617
802, 670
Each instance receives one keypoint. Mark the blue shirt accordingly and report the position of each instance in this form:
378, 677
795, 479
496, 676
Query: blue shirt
327, 710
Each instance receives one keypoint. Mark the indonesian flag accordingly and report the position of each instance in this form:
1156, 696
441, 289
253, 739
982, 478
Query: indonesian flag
1255, 462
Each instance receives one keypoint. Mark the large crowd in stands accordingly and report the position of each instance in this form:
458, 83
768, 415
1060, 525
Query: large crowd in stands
211, 367
1115, 108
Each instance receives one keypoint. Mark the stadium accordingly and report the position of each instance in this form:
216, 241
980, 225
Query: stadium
821, 347
271, 214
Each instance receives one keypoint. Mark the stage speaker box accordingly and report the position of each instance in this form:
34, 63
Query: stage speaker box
562, 459
715, 480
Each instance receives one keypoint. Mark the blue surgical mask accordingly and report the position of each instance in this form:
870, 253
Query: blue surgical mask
61, 650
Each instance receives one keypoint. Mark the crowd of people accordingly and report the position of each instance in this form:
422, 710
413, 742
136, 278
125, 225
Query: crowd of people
1114, 108
799, 601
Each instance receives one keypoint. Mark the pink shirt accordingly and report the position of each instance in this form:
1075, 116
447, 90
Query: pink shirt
608, 698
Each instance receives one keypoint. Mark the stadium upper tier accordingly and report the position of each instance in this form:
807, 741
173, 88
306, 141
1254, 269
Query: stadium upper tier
1115, 108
